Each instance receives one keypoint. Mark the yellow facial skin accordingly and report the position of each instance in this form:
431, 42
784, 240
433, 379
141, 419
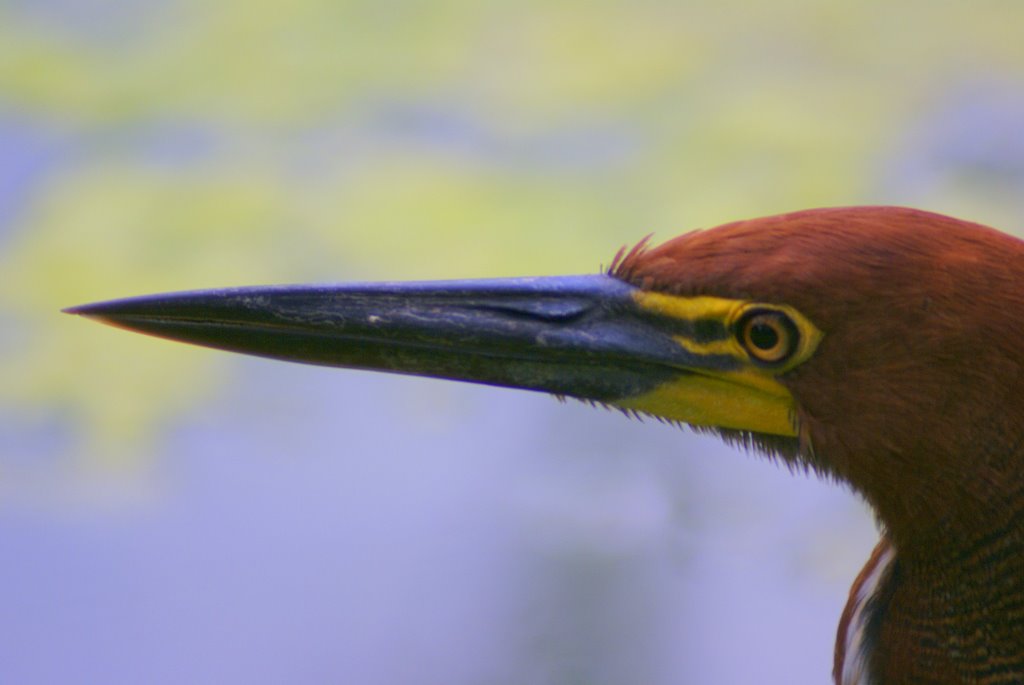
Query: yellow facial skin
749, 398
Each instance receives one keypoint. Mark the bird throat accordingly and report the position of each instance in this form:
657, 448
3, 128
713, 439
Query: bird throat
962, 622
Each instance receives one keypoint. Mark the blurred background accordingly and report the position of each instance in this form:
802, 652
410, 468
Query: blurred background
171, 515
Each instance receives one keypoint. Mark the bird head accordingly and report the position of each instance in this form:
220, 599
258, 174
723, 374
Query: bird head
914, 393
873, 345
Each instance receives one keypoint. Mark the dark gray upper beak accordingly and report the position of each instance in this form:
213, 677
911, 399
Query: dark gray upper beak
582, 336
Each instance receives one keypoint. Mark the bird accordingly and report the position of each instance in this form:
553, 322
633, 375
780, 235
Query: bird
879, 347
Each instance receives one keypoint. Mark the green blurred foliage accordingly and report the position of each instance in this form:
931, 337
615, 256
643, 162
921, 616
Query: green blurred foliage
208, 144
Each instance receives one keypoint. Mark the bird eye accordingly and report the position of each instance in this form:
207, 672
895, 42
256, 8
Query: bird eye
768, 336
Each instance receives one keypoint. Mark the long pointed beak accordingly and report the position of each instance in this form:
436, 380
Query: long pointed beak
591, 337
581, 336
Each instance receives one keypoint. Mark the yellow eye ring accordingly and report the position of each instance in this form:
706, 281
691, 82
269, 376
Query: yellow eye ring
768, 336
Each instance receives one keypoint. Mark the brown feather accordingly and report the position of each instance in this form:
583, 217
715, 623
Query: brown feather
915, 397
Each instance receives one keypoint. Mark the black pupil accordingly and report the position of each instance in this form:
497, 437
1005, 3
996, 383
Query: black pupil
763, 336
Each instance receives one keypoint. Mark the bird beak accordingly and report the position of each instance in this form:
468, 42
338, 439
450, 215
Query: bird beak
580, 336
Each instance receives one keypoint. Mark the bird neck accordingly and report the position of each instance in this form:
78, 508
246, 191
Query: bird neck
951, 609
948, 604
956, 490
957, 524
956, 619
